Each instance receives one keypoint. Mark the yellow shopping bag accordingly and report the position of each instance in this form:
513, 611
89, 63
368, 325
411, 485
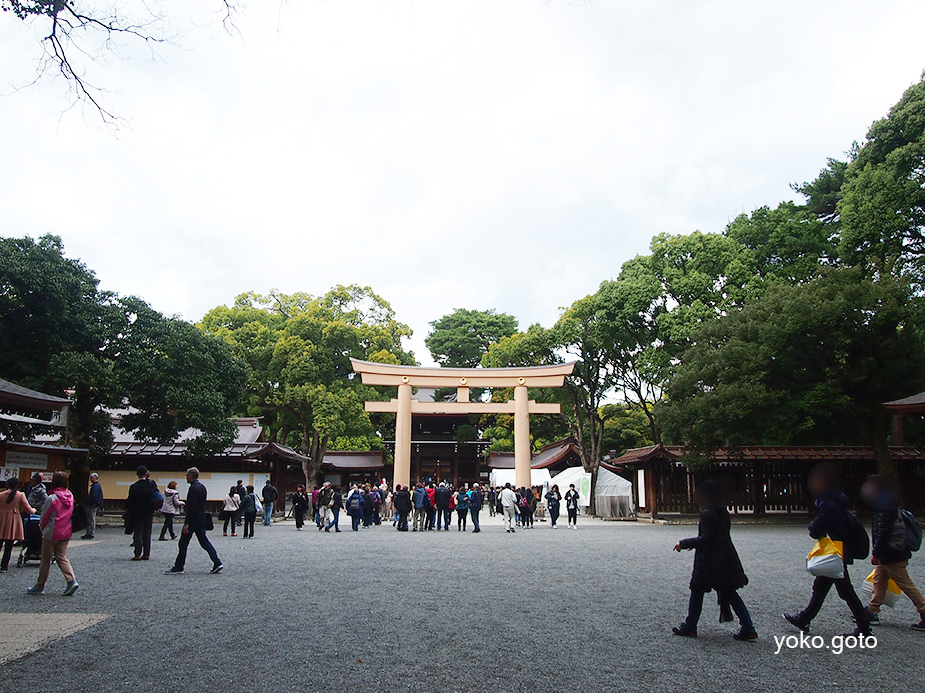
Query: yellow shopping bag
826, 559
890, 597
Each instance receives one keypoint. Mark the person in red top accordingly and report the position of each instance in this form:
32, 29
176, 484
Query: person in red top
432, 510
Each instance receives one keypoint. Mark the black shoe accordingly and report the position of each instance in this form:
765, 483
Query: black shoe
684, 631
873, 619
859, 632
796, 622
745, 635
216, 569
174, 571
920, 626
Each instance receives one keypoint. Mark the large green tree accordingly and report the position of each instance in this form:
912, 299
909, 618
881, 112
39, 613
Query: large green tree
60, 334
802, 364
461, 338
299, 349
882, 202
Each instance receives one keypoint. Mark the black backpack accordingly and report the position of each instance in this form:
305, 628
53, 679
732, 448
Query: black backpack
354, 503
857, 541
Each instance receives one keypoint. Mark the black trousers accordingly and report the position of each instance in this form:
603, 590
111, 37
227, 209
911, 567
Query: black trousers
229, 521
572, 516
168, 526
821, 587
7, 553
403, 521
300, 517
143, 528
249, 520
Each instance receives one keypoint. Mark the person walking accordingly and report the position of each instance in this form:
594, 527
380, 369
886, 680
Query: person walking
325, 503
431, 507
442, 502
300, 503
197, 523
337, 504
716, 564
355, 507
230, 509
508, 500
367, 505
476, 499
831, 521
270, 495
241, 491
57, 512
571, 506
890, 553
492, 498
171, 508
139, 508
13, 504
462, 510
249, 512
553, 499
92, 505
401, 500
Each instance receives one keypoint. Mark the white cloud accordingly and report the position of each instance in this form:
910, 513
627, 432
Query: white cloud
449, 154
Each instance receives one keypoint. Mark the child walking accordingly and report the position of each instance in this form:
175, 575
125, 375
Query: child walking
716, 564
889, 551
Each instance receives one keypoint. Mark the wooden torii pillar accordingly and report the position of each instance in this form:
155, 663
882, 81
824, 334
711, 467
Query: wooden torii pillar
404, 407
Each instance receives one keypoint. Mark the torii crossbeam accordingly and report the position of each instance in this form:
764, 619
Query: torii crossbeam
404, 407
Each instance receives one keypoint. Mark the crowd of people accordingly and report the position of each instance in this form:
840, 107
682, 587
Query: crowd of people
431, 506
438, 506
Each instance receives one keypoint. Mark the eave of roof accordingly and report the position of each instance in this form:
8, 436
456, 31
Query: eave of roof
19, 397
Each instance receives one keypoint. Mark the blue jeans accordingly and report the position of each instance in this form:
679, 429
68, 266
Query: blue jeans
445, 514
475, 520
735, 601
357, 518
333, 523
553, 515
196, 526
267, 513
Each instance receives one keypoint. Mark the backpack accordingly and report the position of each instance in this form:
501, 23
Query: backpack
354, 504
258, 506
524, 502
857, 541
157, 499
78, 519
374, 498
912, 529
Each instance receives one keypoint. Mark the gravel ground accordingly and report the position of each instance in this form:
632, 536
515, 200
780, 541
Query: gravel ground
380, 610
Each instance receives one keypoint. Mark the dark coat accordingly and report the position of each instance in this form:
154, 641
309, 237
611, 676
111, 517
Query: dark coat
716, 563
442, 497
881, 531
401, 500
832, 519
140, 501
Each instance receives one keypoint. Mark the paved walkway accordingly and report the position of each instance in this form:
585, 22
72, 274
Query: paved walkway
380, 610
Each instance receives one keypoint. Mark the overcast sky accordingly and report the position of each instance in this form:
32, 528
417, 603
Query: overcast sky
506, 154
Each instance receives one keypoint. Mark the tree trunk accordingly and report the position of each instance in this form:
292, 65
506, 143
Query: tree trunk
881, 445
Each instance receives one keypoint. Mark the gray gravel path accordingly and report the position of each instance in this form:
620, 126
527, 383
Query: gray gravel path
380, 610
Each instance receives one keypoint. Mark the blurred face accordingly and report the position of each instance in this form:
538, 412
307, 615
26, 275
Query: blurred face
190, 478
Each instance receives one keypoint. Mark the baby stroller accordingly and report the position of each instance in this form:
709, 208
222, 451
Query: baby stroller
32, 544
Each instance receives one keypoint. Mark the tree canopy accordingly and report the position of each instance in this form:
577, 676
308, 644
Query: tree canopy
299, 348
64, 336
462, 338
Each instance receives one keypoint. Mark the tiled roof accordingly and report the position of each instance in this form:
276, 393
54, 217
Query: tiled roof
915, 403
546, 457
766, 453
19, 397
354, 460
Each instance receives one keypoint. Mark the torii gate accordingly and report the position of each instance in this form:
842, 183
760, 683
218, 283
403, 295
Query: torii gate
406, 377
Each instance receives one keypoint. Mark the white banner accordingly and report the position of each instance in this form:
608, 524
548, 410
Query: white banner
26, 460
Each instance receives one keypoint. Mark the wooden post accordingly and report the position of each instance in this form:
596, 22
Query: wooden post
402, 473
522, 456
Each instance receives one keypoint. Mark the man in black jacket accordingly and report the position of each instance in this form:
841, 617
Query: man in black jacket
196, 522
476, 500
442, 501
139, 510
889, 552
831, 521
401, 501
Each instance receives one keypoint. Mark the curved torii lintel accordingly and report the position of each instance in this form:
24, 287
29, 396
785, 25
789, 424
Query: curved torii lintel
407, 377
423, 376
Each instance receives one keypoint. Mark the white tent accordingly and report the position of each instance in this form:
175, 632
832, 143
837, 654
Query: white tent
500, 477
577, 476
613, 495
